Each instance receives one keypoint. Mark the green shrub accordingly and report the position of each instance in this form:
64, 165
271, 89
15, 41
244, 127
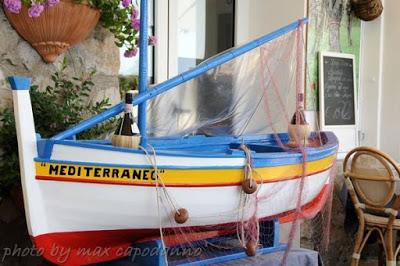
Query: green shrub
127, 83
55, 109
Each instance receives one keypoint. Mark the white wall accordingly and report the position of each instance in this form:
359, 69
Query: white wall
370, 79
380, 81
255, 18
390, 105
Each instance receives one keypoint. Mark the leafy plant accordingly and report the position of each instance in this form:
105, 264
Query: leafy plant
55, 109
120, 17
126, 83
9, 165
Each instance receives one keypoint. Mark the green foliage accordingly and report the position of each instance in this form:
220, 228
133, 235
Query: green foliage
55, 109
118, 20
126, 83
9, 165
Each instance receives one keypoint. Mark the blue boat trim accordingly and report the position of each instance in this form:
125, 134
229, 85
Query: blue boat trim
235, 256
147, 166
173, 82
266, 159
19, 83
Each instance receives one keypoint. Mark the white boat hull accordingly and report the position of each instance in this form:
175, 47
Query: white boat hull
86, 207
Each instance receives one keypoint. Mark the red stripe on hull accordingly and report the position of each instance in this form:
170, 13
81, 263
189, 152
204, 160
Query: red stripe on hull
309, 210
68, 248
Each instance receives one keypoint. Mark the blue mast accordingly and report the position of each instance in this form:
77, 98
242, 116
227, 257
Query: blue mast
143, 69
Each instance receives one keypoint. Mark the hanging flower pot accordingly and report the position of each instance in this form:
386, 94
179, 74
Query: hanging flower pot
367, 9
52, 30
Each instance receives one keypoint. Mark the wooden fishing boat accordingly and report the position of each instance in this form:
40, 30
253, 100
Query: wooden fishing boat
87, 193
92, 194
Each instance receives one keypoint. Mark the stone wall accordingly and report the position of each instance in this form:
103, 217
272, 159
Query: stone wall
17, 57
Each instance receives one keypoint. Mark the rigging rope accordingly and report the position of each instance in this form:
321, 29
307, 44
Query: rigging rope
159, 180
154, 164
153, 161
251, 224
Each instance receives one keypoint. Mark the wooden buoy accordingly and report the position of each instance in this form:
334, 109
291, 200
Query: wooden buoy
249, 186
251, 248
181, 216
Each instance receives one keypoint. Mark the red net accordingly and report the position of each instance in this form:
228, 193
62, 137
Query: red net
256, 93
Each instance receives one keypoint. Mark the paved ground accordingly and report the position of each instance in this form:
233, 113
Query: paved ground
14, 238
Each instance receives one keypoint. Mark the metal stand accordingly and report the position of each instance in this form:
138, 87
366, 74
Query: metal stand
152, 253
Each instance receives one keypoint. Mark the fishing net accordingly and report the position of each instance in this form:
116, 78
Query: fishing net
254, 94
246, 95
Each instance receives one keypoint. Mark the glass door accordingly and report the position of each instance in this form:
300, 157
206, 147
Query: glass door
198, 29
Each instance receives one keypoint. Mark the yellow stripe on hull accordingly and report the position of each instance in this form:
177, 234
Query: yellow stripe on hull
172, 177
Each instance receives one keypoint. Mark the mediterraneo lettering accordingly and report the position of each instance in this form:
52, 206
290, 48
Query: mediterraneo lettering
101, 172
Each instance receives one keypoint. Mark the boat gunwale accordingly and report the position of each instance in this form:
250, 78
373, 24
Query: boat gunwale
45, 149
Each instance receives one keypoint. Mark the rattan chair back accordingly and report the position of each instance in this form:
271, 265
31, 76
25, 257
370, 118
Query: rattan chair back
373, 175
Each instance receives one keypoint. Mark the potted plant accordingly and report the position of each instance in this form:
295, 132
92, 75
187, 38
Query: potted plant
53, 26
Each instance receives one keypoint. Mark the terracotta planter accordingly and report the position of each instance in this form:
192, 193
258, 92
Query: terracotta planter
57, 28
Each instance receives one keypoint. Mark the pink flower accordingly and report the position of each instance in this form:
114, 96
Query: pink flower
14, 6
136, 24
126, 3
131, 53
153, 40
35, 10
51, 3
135, 14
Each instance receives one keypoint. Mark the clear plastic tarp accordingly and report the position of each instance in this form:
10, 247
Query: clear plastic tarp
253, 93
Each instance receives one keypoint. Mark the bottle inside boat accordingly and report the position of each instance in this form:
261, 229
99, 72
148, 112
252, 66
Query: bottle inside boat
127, 133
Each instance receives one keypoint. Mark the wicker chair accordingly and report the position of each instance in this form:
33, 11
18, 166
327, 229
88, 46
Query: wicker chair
370, 177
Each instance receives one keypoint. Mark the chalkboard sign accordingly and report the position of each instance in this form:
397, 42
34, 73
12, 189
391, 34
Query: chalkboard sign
337, 89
